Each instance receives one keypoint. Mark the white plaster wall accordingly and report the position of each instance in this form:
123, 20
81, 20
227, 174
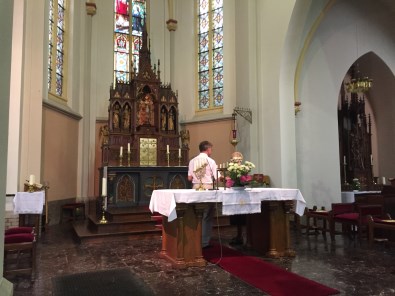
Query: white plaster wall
329, 55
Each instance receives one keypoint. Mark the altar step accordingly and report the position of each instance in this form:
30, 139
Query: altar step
123, 224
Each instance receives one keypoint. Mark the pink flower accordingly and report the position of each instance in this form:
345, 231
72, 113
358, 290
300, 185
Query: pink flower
245, 178
229, 182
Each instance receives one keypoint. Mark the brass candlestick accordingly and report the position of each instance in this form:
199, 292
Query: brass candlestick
104, 208
179, 160
168, 158
120, 160
129, 158
30, 188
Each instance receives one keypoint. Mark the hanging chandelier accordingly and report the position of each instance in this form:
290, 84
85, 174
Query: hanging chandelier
359, 84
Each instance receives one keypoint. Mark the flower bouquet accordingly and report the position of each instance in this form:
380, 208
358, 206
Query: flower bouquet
238, 174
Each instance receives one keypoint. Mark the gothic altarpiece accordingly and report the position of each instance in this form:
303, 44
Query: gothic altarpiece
143, 119
355, 140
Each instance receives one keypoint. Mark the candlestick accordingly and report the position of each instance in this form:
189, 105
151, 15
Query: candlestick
104, 187
168, 156
128, 158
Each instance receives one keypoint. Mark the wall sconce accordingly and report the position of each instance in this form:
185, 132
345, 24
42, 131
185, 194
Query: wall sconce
233, 133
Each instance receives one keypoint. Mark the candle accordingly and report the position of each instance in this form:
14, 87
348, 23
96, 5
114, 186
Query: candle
179, 152
344, 159
121, 151
220, 165
128, 147
383, 180
104, 187
167, 148
32, 180
371, 159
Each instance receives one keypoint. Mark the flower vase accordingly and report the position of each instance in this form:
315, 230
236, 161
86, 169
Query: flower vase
237, 188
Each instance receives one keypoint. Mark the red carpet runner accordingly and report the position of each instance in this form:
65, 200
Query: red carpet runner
265, 276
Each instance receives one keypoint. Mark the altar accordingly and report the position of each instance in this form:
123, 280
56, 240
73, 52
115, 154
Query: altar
182, 221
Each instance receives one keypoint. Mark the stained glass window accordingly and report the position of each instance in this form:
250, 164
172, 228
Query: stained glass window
210, 54
56, 46
129, 18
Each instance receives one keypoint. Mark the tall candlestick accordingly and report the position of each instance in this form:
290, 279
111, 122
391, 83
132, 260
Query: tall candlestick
167, 148
128, 147
104, 187
32, 180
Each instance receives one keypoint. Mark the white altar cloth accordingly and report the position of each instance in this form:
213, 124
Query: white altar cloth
29, 202
164, 201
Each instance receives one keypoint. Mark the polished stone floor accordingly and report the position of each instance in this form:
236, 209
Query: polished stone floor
346, 265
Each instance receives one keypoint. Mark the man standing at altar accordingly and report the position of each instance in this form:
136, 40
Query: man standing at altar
204, 162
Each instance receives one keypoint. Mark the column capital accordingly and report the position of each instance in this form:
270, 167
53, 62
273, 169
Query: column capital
171, 25
90, 8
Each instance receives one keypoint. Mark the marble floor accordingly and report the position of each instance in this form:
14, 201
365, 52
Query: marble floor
346, 265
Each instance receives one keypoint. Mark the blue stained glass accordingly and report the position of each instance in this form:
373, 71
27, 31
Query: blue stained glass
59, 84
60, 18
218, 77
203, 42
218, 97
59, 62
218, 18
218, 38
121, 61
203, 81
218, 57
204, 23
217, 4
203, 6
203, 61
59, 40
138, 13
122, 77
204, 100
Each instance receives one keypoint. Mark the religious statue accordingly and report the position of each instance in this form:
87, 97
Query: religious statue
170, 122
126, 117
104, 133
145, 114
184, 138
163, 120
115, 118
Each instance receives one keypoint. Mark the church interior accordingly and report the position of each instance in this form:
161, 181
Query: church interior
105, 102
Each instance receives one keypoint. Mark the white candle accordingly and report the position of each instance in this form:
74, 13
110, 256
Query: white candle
371, 159
383, 180
104, 187
32, 180
167, 148
220, 165
344, 159
121, 151
179, 152
128, 147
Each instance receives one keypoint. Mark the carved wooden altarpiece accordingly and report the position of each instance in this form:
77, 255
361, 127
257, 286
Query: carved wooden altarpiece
143, 114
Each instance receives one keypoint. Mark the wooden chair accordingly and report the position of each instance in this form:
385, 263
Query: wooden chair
376, 223
353, 217
19, 251
317, 215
